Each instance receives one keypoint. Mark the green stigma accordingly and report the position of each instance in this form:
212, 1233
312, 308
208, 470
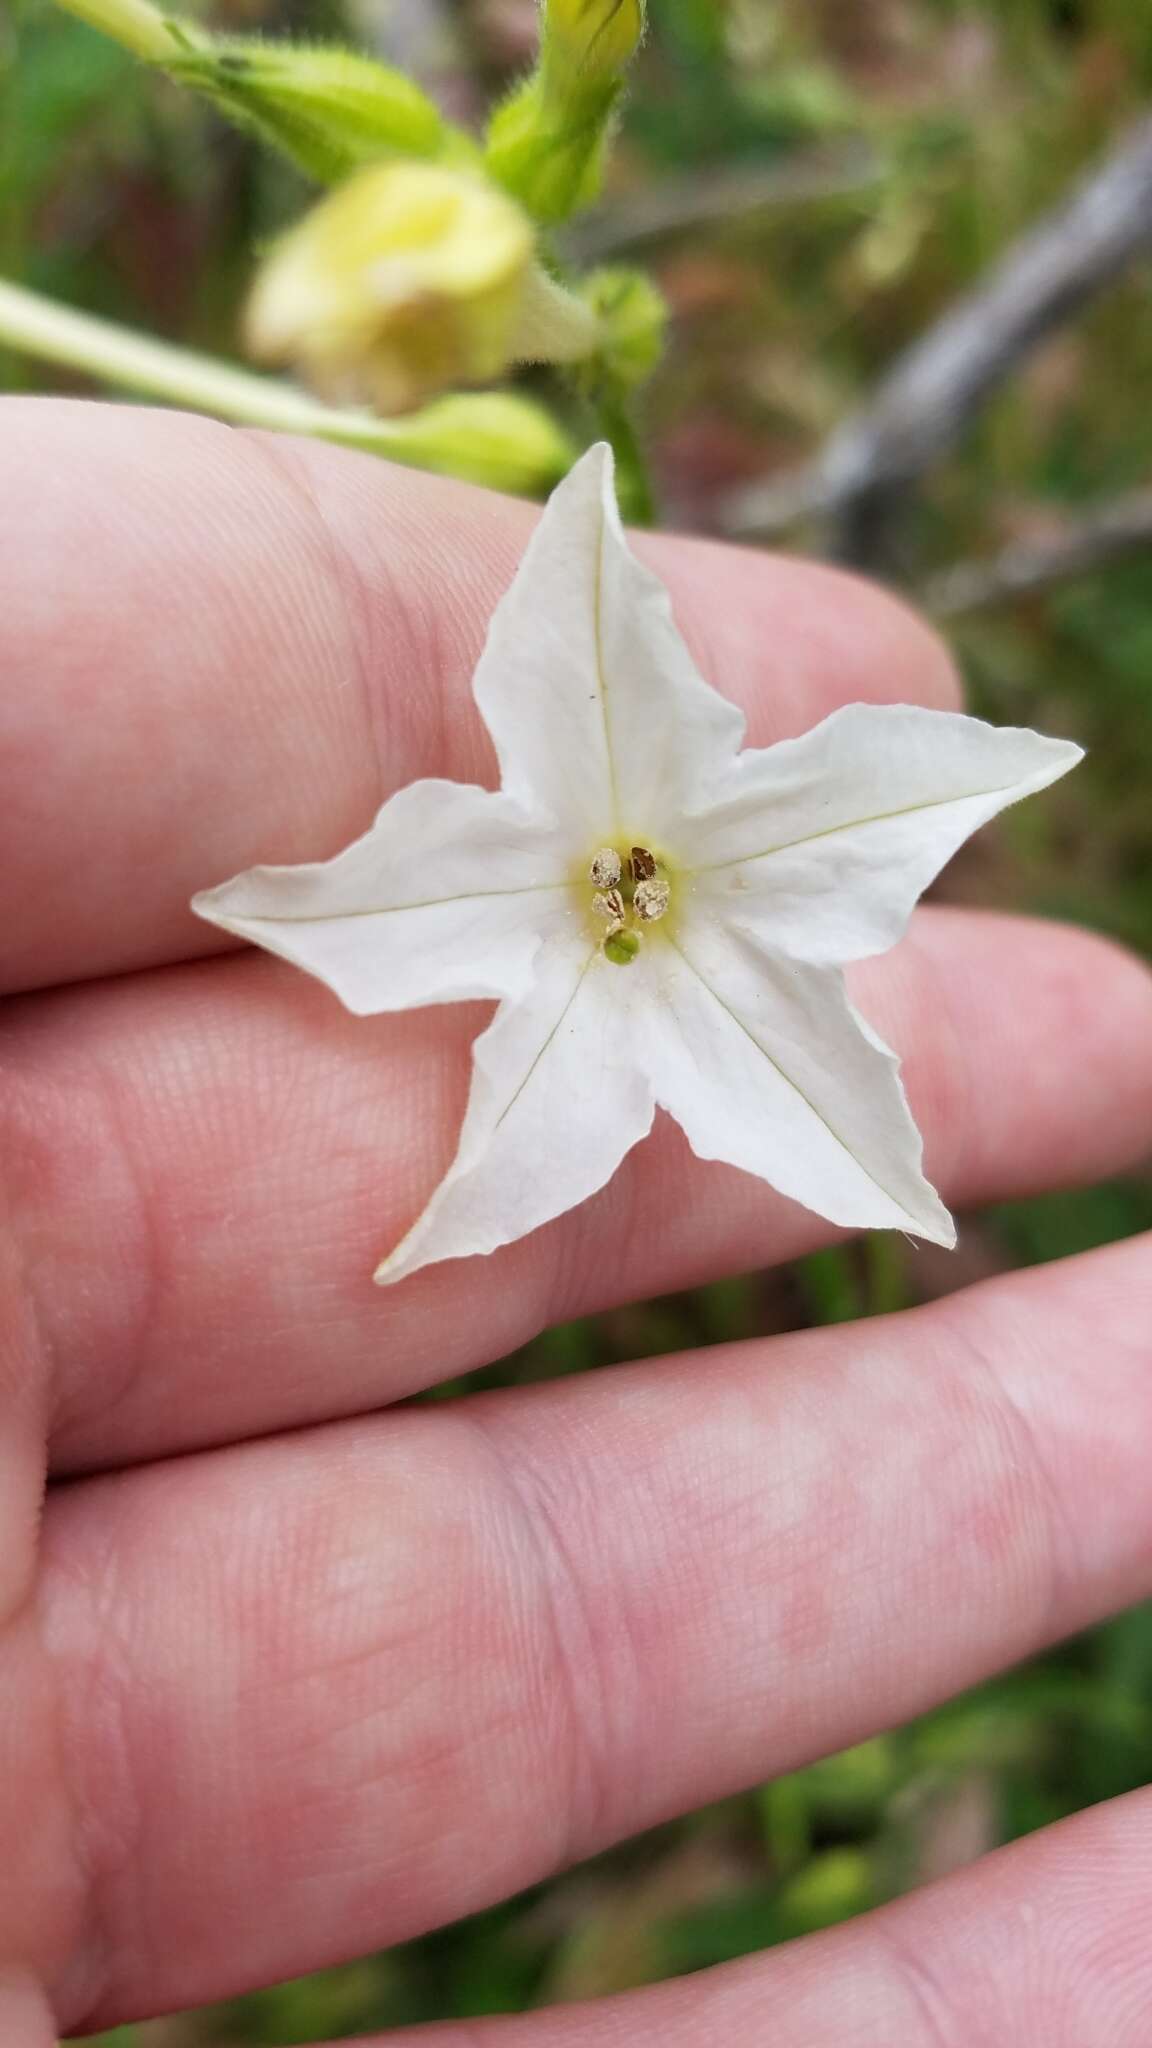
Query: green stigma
622, 947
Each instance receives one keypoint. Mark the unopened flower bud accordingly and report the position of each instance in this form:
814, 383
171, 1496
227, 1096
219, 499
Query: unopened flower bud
599, 37
497, 438
631, 319
547, 143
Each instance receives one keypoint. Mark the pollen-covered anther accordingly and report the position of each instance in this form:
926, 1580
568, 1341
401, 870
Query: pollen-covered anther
609, 903
651, 900
606, 868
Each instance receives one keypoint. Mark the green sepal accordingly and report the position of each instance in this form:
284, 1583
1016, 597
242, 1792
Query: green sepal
329, 110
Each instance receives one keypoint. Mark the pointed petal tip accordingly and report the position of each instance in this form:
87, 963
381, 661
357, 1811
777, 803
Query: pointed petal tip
212, 906
397, 1264
936, 1226
1055, 757
410, 1256
204, 904
599, 451
598, 460
401, 1264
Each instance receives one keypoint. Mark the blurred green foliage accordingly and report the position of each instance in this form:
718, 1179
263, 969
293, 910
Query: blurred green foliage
119, 195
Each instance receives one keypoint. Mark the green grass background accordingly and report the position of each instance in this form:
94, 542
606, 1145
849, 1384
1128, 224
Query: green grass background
120, 195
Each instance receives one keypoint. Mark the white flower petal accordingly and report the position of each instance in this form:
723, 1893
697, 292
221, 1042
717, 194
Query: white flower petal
780, 865
556, 1101
444, 899
596, 709
825, 842
765, 1065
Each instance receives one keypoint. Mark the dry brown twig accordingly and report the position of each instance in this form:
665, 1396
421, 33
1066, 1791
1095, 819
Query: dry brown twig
860, 483
710, 199
1107, 534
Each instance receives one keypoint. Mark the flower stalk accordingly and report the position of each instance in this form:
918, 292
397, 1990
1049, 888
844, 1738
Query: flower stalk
495, 438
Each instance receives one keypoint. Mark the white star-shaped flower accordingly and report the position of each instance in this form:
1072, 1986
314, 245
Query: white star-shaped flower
662, 917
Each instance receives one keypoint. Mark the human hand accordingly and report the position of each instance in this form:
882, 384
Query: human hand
288, 1674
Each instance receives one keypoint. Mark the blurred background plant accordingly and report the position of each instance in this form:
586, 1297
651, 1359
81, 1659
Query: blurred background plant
811, 188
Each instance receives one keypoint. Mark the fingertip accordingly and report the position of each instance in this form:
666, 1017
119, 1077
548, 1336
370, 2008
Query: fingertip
791, 640
1032, 1066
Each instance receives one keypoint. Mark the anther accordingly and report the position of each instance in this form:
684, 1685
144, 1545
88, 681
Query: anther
609, 903
651, 900
605, 870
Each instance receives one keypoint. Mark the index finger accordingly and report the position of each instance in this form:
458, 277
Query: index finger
223, 648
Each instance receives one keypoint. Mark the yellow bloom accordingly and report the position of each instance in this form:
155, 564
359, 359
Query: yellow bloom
408, 279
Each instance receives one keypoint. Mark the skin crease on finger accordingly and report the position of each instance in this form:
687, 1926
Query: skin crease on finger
226, 648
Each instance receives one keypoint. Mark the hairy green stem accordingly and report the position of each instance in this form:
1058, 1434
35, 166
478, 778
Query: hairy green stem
135, 362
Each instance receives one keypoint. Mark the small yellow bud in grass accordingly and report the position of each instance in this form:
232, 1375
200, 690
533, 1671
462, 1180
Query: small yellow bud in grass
407, 279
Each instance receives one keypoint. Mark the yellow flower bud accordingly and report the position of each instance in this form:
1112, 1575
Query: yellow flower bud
547, 143
600, 36
410, 278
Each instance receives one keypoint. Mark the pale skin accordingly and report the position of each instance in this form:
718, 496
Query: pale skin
340, 1672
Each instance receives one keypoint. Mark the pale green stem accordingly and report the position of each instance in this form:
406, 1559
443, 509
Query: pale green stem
495, 438
139, 27
553, 325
